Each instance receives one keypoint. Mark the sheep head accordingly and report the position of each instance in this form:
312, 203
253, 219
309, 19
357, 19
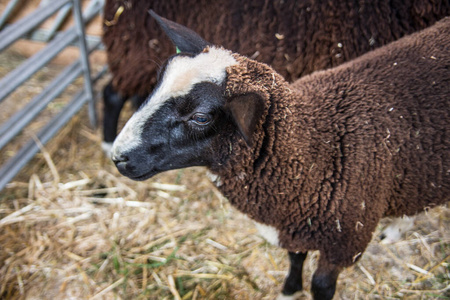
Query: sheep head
190, 114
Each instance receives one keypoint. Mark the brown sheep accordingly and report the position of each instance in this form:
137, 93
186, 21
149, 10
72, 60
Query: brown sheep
316, 163
295, 37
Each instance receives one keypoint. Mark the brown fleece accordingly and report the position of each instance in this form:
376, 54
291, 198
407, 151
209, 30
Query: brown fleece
294, 37
339, 149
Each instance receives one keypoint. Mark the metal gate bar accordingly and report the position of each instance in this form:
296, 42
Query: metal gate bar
20, 74
8, 10
22, 118
13, 79
60, 17
85, 60
26, 153
17, 30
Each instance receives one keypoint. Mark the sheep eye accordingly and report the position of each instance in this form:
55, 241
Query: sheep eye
201, 119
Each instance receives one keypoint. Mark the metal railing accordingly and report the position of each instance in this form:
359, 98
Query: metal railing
58, 42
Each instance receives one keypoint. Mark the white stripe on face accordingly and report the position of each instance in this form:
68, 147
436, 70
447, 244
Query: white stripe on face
181, 74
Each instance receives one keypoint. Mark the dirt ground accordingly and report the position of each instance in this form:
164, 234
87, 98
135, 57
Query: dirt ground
71, 227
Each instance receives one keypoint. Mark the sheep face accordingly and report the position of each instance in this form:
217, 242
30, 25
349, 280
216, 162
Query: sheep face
188, 117
177, 125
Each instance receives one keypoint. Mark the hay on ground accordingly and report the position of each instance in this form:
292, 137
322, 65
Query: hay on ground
71, 227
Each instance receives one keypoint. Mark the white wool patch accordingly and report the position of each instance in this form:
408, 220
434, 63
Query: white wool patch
241, 176
397, 228
269, 233
181, 74
282, 296
297, 295
214, 178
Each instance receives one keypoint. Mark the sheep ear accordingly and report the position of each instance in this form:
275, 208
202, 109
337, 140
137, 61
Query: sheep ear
246, 111
185, 40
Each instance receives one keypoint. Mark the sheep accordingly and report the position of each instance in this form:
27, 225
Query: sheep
294, 37
315, 163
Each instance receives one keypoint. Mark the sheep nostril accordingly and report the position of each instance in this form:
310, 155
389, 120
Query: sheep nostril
119, 158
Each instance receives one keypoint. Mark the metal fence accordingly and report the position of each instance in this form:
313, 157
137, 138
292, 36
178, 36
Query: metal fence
56, 43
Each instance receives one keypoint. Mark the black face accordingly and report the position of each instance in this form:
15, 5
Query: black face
191, 130
179, 134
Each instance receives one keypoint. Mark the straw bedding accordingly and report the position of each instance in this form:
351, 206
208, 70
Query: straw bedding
71, 227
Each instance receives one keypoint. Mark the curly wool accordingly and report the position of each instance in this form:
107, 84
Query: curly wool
339, 149
294, 37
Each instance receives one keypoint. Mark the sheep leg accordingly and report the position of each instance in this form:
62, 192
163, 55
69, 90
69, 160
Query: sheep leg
113, 104
324, 280
294, 281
